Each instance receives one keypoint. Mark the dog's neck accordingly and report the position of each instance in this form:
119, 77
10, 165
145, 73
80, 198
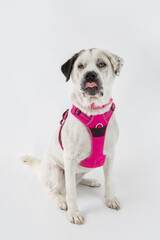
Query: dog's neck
84, 103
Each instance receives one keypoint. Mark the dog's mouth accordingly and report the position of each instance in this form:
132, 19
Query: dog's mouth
91, 88
91, 84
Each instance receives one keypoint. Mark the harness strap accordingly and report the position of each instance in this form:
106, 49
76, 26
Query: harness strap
97, 126
64, 116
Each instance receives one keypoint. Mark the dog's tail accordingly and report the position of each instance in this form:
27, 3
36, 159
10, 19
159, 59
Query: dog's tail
32, 162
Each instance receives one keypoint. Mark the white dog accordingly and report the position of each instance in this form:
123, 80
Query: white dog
61, 169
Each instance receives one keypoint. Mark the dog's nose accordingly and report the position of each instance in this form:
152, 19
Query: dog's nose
91, 76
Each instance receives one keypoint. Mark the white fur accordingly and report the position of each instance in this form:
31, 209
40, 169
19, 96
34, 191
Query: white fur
76, 139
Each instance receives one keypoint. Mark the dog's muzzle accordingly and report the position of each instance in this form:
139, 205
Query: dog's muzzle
91, 84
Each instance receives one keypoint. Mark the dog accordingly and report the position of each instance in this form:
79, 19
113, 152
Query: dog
93, 72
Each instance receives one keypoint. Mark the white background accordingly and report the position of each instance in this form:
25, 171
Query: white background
36, 38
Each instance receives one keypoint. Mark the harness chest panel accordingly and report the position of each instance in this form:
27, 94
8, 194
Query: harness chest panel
97, 126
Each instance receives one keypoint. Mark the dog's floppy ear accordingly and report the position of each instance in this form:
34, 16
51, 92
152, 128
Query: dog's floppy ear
116, 62
67, 67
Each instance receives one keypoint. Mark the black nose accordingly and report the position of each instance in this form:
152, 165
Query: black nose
91, 76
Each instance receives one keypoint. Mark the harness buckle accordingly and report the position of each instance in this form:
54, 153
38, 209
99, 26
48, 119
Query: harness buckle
77, 111
64, 116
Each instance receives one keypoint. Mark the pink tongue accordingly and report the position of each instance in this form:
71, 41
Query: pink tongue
91, 85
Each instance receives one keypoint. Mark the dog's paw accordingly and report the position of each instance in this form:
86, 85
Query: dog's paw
60, 200
90, 182
113, 203
76, 218
62, 204
94, 183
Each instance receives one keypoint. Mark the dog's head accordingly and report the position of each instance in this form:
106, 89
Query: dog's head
92, 71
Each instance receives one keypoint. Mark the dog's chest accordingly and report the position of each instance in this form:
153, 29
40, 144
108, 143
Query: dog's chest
76, 137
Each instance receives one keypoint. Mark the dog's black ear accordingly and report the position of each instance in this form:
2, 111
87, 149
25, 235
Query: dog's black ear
67, 67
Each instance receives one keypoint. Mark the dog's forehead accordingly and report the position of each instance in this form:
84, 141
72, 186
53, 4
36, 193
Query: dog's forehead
91, 55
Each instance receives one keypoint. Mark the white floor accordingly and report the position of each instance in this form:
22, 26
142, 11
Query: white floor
27, 212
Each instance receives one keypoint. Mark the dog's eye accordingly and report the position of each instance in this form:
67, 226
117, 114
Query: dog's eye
81, 66
101, 64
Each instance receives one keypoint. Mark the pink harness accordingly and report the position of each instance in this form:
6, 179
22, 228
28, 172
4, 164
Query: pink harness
97, 126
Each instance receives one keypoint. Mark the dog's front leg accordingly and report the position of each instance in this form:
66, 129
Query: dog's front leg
111, 200
70, 180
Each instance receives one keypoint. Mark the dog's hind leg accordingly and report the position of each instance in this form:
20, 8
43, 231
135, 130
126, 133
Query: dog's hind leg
90, 182
86, 181
54, 181
57, 188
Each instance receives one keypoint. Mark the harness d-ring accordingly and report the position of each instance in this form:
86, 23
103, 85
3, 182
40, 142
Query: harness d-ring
99, 124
